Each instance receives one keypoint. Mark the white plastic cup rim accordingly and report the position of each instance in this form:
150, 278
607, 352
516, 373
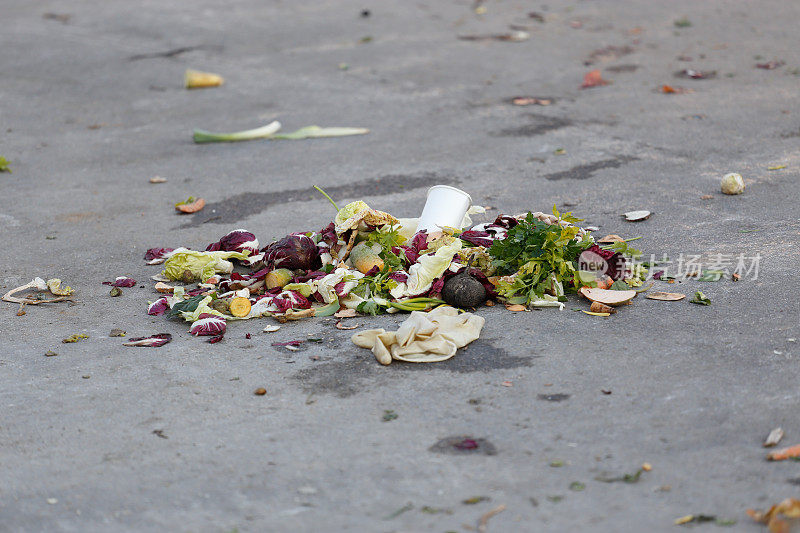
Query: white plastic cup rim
452, 189
445, 206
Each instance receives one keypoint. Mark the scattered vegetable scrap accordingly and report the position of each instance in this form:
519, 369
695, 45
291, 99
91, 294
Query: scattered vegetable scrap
117, 333
261, 391
516, 36
637, 216
475, 499
153, 341
792, 452
696, 74
4, 165
270, 131
121, 281
190, 205
700, 298
770, 65
732, 183
75, 337
593, 79
38, 284
665, 296
701, 518
196, 79
484, 520
773, 438
669, 89
531, 100
776, 167
157, 179
627, 478
367, 262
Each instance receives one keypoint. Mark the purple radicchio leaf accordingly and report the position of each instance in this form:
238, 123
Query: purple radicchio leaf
608, 262
400, 276
295, 251
418, 244
156, 253
239, 240
215, 339
290, 300
208, 324
121, 281
478, 238
506, 221
159, 307
153, 341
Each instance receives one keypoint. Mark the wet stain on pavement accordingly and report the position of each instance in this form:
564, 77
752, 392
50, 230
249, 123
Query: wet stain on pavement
586, 171
243, 205
557, 397
622, 68
348, 377
538, 125
464, 445
342, 378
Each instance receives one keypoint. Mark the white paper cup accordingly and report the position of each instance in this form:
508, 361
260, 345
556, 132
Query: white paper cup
446, 206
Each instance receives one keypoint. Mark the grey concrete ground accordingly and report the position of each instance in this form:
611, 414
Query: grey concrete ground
694, 390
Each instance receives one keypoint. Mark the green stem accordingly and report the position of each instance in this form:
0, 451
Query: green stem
328, 197
633, 238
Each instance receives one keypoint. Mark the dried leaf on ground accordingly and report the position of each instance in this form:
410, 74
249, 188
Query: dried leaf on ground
775, 517
665, 296
611, 238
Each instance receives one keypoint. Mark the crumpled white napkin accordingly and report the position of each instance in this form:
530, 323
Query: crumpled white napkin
424, 337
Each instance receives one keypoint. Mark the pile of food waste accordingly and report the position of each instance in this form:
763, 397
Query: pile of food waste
371, 263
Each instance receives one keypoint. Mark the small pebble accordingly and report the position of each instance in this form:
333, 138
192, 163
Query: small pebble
261, 391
